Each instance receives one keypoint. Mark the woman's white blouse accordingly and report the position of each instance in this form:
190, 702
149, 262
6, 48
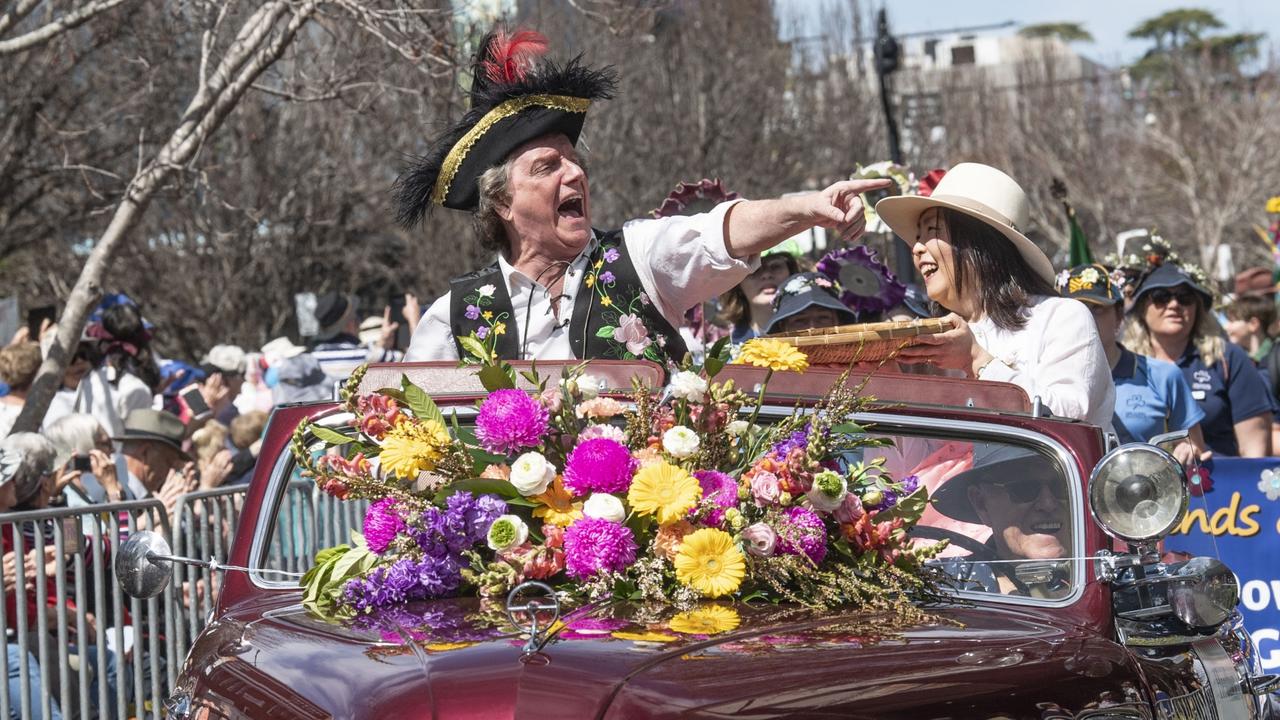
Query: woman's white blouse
1056, 356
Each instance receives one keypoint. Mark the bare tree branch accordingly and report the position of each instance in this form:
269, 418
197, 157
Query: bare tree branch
53, 29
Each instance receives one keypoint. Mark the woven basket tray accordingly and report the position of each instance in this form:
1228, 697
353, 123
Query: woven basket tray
868, 342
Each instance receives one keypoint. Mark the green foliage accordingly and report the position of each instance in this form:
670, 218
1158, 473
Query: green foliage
418, 401
1065, 31
323, 583
1179, 26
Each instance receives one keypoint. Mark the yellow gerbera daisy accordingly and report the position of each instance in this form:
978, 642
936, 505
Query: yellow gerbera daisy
412, 447
710, 563
664, 490
707, 620
557, 506
772, 354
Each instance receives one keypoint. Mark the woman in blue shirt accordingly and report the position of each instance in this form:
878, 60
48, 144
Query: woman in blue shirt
1171, 321
1152, 397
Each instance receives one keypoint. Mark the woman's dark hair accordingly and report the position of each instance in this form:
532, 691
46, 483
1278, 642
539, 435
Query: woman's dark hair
1005, 281
129, 350
735, 309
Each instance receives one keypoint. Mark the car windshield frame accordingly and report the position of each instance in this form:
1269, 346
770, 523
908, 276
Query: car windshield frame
876, 423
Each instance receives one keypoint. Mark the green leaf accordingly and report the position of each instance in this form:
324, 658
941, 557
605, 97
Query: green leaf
423, 407
717, 357
475, 348
605, 332
394, 394
493, 377
479, 486
333, 437
848, 429
908, 508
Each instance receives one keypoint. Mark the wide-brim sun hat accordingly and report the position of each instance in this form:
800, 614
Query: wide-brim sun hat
150, 425
992, 463
1169, 275
981, 192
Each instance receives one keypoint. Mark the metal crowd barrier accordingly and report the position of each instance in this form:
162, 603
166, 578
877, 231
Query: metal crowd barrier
133, 649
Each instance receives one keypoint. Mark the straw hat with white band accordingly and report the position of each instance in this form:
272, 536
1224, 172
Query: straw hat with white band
981, 192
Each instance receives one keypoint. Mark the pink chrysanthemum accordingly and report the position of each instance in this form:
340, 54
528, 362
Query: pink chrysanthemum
381, 525
593, 545
802, 532
599, 465
509, 421
719, 493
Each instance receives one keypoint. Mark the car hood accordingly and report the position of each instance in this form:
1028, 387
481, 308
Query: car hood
460, 659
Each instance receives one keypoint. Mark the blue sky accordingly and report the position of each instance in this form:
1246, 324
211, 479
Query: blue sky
1108, 20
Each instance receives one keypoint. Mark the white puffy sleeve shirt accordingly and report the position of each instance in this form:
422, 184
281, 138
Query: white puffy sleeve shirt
680, 261
1057, 356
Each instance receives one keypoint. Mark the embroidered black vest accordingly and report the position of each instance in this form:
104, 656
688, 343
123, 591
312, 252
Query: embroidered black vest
613, 316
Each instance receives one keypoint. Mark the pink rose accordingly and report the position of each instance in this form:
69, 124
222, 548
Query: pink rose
760, 539
850, 510
633, 333
550, 399
765, 488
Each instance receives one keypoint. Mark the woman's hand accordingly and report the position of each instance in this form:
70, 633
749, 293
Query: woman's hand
64, 476
104, 469
955, 349
216, 471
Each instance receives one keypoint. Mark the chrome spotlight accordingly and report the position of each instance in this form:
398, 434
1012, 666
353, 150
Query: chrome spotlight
1137, 493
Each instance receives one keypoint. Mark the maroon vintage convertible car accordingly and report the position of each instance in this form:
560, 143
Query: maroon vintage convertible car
1100, 629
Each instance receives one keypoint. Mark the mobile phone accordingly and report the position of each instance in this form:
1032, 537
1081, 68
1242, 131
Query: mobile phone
36, 317
194, 401
81, 463
71, 538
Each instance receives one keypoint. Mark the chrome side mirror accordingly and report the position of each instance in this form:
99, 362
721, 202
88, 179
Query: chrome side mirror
143, 566
1203, 593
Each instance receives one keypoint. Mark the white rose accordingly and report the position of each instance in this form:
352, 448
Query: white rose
589, 386
689, 386
828, 491
487, 290
738, 428
531, 474
680, 442
605, 507
506, 532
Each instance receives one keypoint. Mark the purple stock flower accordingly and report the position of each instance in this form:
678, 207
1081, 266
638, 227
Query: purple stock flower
910, 484
599, 465
463, 523
719, 493
510, 420
802, 532
797, 439
607, 277
473, 312
404, 580
593, 545
381, 524
611, 255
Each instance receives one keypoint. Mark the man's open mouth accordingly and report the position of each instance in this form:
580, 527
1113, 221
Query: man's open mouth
571, 208
1046, 528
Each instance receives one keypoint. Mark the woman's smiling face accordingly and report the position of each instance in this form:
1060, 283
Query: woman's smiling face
935, 259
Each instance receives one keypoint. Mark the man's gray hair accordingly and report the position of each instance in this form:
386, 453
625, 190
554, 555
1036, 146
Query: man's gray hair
36, 454
494, 191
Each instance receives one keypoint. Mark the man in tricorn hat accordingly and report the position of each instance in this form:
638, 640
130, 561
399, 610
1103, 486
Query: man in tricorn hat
560, 289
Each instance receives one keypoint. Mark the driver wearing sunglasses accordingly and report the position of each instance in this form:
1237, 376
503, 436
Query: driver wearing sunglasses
1022, 496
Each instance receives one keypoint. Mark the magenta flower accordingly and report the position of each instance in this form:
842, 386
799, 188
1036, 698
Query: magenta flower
510, 420
599, 465
719, 493
593, 546
801, 532
381, 525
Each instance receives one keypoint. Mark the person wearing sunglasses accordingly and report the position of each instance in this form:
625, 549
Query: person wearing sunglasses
1152, 396
1171, 320
1022, 497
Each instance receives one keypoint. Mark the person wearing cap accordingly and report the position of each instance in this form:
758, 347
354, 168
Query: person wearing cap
1008, 322
223, 367
156, 464
747, 308
1172, 320
1022, 497
558, 288
1152, 397
808, 300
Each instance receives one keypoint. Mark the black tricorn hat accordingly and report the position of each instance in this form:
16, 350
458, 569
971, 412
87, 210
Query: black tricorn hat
516, 96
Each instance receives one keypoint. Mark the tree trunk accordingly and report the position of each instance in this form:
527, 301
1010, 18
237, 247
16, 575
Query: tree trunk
253, 51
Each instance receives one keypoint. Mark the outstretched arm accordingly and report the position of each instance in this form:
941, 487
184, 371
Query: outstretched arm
754, 226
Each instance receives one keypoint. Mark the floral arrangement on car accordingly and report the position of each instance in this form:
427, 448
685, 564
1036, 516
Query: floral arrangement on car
667, 497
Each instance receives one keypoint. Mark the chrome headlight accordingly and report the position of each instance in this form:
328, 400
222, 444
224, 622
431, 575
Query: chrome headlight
1137, 493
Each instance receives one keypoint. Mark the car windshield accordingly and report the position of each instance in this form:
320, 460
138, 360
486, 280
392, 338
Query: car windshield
1006, 510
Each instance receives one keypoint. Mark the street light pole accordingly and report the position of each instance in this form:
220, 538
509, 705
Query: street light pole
886, 62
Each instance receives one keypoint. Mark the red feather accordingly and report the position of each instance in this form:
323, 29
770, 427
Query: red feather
510, 55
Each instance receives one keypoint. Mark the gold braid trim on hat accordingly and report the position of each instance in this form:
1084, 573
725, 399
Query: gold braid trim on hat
458, 153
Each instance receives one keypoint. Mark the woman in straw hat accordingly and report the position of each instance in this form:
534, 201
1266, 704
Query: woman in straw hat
1009, 324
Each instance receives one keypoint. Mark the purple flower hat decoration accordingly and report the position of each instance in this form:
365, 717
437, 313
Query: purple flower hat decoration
867, 285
